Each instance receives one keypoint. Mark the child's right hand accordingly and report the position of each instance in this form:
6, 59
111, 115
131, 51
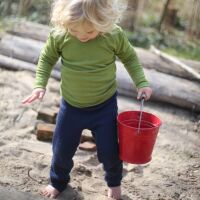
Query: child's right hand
38, 93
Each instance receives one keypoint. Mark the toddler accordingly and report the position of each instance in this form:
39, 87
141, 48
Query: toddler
87, 39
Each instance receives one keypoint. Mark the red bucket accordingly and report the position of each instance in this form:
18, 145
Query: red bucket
136, 148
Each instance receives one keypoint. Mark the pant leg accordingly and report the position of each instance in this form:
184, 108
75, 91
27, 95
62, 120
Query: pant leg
105, 133
66, 139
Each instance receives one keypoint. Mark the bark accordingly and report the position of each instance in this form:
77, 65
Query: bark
7, 8
193, 28
24, 6
130, 15
164, 13
140, 9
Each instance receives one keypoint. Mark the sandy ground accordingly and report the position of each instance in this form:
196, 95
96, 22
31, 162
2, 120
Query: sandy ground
173, 173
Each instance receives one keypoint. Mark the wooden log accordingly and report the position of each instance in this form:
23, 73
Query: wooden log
40, 32
15, 64
173, 60
167, 89
24, 49
28, 50
21, 48
150, 60
30, 30
45, 131
193, 63
47, 115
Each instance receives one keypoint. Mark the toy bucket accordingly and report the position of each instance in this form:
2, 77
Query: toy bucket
136, 147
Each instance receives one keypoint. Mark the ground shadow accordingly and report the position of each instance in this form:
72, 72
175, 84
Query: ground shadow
125, 197
71, 194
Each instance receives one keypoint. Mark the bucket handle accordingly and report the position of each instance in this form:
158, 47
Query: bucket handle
140, 167
141, 110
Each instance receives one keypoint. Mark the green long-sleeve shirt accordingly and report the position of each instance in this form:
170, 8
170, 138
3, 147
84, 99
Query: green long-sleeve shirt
88, 71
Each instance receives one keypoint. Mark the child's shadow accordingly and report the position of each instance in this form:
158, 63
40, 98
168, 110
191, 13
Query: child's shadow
70, 193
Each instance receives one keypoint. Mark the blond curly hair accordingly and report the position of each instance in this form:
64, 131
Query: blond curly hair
102, 14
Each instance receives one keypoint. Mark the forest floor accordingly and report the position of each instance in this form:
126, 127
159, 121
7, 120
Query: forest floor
173, 173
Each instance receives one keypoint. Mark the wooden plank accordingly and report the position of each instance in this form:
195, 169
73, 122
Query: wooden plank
47, 115
45, 131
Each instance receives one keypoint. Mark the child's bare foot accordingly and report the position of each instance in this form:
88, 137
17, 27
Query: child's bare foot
114, 192
50, 192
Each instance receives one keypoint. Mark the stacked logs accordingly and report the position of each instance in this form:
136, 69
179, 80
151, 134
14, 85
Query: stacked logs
173, 81
46, 125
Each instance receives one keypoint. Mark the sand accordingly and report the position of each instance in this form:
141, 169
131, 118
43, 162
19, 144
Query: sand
173, 173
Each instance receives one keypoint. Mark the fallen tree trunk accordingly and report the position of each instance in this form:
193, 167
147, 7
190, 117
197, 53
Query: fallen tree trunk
166, 88
15, 64
23, 49
30, 30
173, 60
151, 61
28, 50
194, 64
40, 32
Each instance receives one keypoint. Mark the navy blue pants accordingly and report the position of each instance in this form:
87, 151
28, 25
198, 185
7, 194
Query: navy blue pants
101, 120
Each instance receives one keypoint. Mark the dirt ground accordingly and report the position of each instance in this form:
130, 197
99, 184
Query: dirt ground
173, 173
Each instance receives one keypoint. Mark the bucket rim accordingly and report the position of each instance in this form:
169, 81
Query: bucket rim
156, 126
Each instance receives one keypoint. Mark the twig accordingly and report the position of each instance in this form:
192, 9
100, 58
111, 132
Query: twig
40, 181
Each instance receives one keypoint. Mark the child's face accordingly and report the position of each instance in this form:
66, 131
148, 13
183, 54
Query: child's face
83, 31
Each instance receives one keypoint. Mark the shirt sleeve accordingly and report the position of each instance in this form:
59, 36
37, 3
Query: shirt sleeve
48, 58
125, 52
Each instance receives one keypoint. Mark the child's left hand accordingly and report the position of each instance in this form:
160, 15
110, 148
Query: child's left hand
146, 91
